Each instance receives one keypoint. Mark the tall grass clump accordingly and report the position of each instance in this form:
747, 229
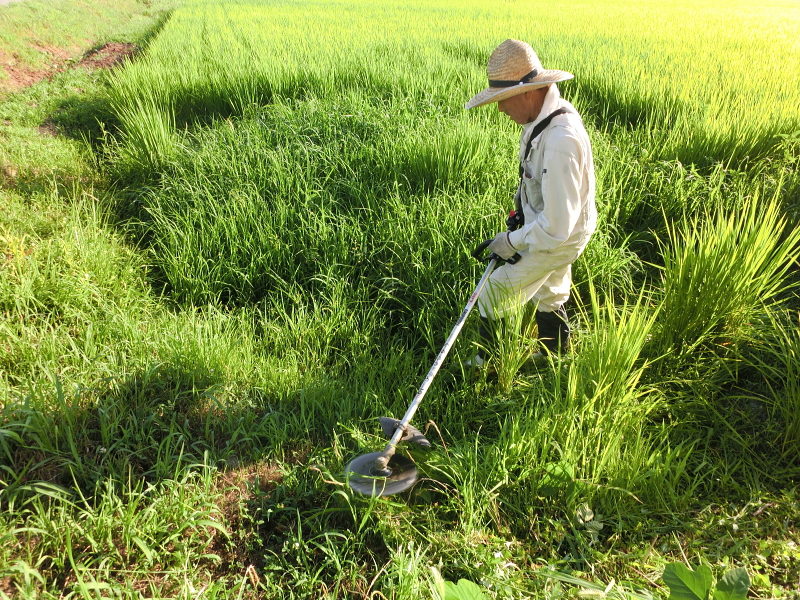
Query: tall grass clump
279, 206
582, 437
720, 270
442, 155
149, 138
597, 415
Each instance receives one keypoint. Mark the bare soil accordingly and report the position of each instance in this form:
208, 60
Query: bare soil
20, 76
238, 486
108, 56
7, 586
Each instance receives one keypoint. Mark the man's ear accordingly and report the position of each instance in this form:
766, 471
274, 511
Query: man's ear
533, 95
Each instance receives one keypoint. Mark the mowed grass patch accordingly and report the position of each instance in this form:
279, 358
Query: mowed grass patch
39, 38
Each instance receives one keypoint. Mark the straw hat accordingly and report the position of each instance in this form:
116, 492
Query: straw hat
514, 69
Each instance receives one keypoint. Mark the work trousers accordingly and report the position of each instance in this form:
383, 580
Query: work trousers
541, 276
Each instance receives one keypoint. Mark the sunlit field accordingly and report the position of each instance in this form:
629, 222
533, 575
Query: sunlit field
189, 361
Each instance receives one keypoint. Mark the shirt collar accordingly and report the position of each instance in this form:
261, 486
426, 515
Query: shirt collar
551, 103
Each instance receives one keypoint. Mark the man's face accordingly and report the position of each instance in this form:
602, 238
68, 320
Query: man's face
523, 108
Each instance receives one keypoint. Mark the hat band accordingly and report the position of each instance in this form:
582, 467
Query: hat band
496, 83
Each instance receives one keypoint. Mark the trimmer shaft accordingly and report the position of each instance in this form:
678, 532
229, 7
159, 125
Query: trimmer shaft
367, 474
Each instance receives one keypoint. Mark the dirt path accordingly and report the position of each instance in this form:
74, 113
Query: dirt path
7, 2
105, 57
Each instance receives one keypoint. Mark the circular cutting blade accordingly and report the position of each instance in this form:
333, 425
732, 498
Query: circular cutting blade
360, 477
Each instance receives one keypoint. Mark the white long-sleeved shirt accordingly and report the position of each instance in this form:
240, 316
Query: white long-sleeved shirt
558, 186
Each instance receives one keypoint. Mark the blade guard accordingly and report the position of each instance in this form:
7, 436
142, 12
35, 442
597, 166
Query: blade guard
361, 477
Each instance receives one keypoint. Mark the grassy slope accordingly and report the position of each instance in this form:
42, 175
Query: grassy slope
142, 403
36, 34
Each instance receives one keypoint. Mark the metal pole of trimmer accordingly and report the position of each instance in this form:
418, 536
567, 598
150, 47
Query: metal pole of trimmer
381, 468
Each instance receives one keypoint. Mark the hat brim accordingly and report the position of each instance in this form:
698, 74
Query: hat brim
491, 94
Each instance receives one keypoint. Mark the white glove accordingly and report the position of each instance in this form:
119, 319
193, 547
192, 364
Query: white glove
501, 246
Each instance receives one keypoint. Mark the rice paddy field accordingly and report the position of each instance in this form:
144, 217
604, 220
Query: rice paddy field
274, 243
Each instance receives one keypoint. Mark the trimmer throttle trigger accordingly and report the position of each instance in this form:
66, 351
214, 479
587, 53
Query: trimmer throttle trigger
514, 220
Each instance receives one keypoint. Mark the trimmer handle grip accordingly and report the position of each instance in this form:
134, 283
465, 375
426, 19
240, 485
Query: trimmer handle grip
514, 221
477, 254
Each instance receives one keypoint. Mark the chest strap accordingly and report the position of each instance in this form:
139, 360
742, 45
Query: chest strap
540, 127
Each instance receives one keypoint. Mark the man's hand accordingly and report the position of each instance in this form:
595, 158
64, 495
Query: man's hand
502, 246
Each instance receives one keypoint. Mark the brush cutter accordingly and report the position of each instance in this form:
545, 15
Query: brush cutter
385, 473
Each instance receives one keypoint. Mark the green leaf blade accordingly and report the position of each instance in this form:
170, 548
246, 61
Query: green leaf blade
464, 590
685, 584
733, 585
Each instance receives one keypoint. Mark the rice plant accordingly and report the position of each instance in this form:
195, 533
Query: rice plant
635, 74
719, 272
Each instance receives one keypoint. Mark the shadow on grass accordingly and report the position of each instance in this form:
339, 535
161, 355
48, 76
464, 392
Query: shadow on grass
149, 425
84, 118
90, 117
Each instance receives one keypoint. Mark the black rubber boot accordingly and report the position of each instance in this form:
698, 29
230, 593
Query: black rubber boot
553, 330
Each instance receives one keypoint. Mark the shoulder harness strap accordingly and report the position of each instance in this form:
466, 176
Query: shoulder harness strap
540, 127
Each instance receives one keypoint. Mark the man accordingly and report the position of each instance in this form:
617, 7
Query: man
555, 196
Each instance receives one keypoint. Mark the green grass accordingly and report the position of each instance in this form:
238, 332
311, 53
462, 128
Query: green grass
208, 301
720, 270
700, 100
